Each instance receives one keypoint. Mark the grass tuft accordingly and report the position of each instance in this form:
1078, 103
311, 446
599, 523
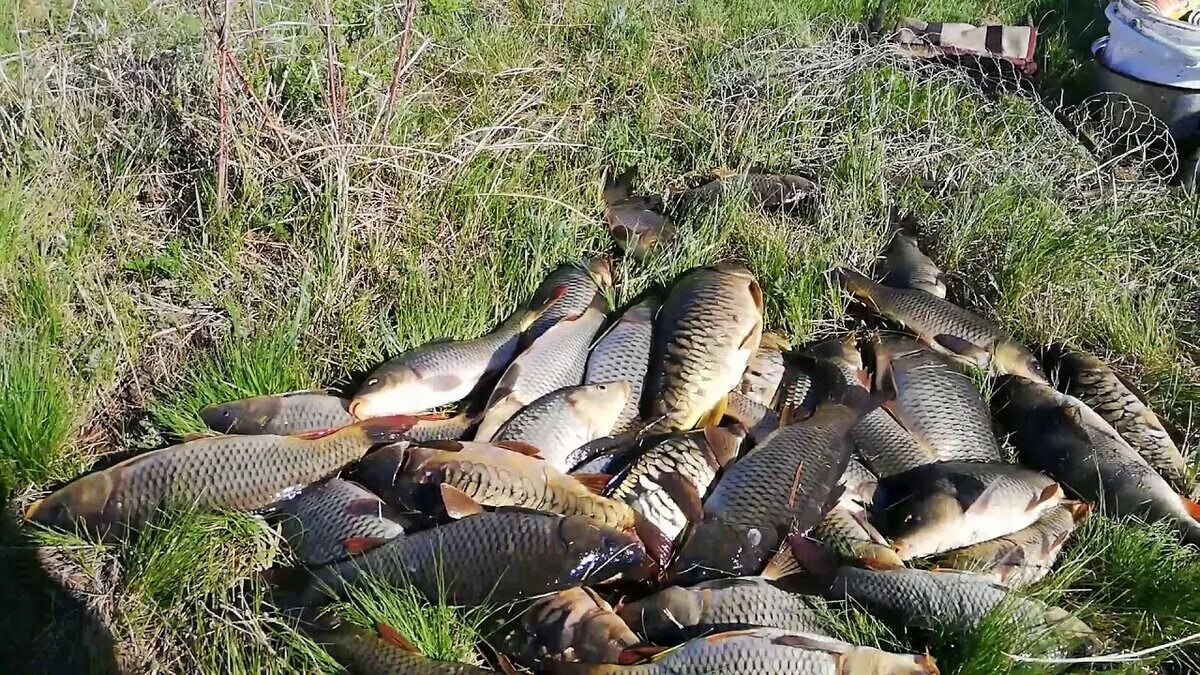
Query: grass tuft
36, 414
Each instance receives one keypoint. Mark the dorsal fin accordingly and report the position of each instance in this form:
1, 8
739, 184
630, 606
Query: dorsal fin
520, 447
393, 637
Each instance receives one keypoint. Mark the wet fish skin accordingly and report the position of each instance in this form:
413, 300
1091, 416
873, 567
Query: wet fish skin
442, 372
687, 462
321, 523
1024, 557
281, 414
579, 284
859, 483
1061, 436
846, 530
676, 613
560, 422
947, 505
946, 327
765, 371
241, 473
637, 222
936, 402
491, 558
906, 266
786, 484
495, 476
447, 429
623, 354
571, 625
758, 419
555, 360
363, 653
707, 329
768, 191
768, 651
1092, 381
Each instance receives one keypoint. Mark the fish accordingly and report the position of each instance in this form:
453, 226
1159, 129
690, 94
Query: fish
638, 223
758, 419
946, 327
905, 266
463, 476
708, 328
667, 479
785, 484
937, 403
565, 419
1122, 405
768, 191
766, 650
947, 505
380, 652
240, 473
334, 519
1023, 557
575, 624
282, 414
858, 482
581, 284
677, 613
494, 558
623, 354
846, 530
555, 360
1061, 436
442, 372
885, 446
765, 371
441, 428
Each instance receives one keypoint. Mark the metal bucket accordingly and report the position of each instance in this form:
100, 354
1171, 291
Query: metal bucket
1177, 107
1151, 47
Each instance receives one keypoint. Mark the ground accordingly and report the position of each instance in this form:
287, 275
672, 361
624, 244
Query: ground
202, 201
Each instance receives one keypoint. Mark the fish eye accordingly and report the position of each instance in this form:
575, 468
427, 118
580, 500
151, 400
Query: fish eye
226, 413
602, 387
754, 537
373, 381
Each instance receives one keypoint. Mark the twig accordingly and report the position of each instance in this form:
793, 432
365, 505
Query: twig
1123, 657
399, 69
222, 109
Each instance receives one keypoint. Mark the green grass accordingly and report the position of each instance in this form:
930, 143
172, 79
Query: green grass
128, 300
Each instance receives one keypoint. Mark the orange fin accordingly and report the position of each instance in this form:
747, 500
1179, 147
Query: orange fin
446, 446
594, 482
393, 637
881, 564
1053, 490
357, 545
723, 443
31, 510
196, 436
458, 503
713, 417
433, 416
387, 429
318, 433
782, 564
632, 655
520, 447
1192, 507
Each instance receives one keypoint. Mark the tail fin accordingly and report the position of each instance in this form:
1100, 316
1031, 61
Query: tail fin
618, 187
540, 307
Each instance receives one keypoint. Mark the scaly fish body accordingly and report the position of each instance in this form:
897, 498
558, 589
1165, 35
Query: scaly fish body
676, 613
770, 191
1024, 557
948, 505
363, 653
765, 371
448, 429
241, 473
323, 523
767, 651
637, 222
708, 328
654, 479
783, 485
555, 360
946, 600
444, 371
282, 414
566, 419
758, 419
571, 625
623, 355
494, 476
905, 266
938, 404
946, 327
846, 530
1061, 436
491, 558
580, 285
1090, 380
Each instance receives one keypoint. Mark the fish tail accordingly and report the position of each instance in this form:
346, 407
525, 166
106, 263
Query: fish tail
618, 186
856, 284
534, 313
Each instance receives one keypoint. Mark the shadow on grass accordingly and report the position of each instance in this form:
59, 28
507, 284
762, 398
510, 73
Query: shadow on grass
44, 627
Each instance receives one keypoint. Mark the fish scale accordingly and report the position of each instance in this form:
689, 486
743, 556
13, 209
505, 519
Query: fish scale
363, 653
490, 558
937, 403
317, 522
581, 283
707, 329
1021, 558
623, 354
281, 414
566, 419
906, 266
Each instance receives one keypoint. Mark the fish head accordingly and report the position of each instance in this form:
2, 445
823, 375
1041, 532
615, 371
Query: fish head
596, 553
84, 501
1011, 358
247, 416
390, 390
915, 522
636, 226
579, 624
665, 614
600, 404
715, 549
867, 661
787, 190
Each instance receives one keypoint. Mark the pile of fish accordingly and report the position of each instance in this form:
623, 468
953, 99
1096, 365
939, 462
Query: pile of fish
668, 489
